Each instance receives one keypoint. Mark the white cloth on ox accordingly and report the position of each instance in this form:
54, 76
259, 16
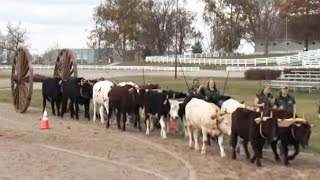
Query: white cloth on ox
231, 105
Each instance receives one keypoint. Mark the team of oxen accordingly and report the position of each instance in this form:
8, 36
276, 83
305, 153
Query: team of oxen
199, 117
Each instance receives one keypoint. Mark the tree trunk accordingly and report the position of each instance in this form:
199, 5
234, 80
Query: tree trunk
266, 45
124, 57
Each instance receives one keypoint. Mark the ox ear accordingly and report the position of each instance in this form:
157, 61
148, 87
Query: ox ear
60, 82
298, 125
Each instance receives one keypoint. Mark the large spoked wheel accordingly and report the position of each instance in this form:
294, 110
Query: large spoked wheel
66, 65
22, 80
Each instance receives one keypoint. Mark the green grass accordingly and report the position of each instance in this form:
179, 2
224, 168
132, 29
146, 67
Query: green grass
240, 89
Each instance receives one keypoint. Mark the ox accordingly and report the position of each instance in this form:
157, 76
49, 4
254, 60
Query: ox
51, 91
251, 127
204, 116
121, 99
100, 98
158, 105
79, 91
291, 132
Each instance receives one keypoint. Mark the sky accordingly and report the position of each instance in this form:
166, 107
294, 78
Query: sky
67, 23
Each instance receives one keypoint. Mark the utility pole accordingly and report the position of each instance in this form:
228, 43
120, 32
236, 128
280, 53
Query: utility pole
287, 33
176, 44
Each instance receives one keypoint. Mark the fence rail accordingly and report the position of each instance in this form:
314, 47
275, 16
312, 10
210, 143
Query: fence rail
311, 57
125, 68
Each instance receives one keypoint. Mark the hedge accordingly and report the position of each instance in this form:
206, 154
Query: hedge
262, 74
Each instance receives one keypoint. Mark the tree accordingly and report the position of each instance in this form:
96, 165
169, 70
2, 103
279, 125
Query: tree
303, 19
197, 47
260, 20
117, 22
15, 36
225, 18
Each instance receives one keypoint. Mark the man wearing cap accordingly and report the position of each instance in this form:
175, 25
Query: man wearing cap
195, 87
286, 101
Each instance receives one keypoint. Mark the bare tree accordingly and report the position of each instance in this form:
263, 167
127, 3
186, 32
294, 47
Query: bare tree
15, 36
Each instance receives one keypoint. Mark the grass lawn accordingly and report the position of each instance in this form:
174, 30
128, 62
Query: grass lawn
240, 89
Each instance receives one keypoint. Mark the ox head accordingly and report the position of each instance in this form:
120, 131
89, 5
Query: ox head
86, 88
268, 127
301, 132
174, 108
224, 122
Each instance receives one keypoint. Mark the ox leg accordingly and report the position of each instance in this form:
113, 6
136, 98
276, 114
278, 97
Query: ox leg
94, 111
167, 127
71, 108
258, 152
190, 133
148, 125
124, 121
296, 152
152, 123
64, 106
245, 147
44, 103
220, 141
234, 141
109, 118
204, 141
196, 140
76, 105
52, 106
163, 132
58, 103
285, 153
255, 147
186, 132
274, 150
118, 119
101, 114
86, 110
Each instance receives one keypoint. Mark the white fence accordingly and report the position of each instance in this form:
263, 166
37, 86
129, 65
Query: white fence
294, 59
307, 59
125, 68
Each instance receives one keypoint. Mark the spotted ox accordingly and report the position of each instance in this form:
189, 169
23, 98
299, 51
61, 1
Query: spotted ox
207, 118
159, 106
100, 98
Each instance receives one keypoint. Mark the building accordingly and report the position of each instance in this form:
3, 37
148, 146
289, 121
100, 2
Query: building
83, 56
283, 46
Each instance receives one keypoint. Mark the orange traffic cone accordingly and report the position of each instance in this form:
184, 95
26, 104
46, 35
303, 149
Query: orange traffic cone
45, 120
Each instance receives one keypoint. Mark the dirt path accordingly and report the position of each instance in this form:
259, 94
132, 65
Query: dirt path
83, 150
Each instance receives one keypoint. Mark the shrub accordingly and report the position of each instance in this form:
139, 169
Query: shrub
262, 74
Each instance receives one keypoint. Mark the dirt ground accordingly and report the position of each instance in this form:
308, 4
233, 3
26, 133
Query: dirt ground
83, 150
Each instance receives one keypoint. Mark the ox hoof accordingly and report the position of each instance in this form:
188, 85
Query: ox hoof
203, 152
223, 155
147, 133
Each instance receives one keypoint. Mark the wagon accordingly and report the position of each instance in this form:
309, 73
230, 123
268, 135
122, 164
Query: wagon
22, 76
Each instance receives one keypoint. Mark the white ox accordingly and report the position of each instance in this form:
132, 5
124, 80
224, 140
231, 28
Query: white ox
100, 98
231, 105
207, 117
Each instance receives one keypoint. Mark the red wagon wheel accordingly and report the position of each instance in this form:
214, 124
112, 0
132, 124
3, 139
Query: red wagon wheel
66, 65
22, 80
